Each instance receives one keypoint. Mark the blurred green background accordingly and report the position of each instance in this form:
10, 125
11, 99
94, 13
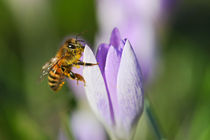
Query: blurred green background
30, 34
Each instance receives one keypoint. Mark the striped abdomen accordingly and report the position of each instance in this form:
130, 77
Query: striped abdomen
55, 78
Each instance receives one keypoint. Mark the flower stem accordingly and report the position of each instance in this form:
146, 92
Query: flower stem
153, 120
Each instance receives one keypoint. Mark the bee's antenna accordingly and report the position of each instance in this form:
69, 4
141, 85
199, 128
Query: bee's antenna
80, 40
79, 34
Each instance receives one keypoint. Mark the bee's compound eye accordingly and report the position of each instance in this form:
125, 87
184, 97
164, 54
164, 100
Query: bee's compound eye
71, 46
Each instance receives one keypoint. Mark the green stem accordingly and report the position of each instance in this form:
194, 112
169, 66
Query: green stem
153, 120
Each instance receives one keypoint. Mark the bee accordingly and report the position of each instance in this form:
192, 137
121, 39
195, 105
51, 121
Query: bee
60, 66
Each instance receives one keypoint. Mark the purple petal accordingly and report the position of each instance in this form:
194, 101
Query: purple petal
101, 56
111, 70
115, 39
86, 127
95, 89
129, 92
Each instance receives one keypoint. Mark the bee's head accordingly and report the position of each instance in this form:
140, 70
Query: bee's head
74, 46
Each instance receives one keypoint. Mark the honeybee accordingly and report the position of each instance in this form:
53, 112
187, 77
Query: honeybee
60, 66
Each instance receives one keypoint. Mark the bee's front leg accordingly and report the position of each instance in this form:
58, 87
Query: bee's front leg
77, 77
84, 63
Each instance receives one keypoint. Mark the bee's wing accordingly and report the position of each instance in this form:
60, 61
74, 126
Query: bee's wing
47, 68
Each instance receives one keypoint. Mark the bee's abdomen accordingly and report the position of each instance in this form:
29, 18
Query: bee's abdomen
55, 80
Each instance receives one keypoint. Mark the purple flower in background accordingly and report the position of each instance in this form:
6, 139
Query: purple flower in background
114, 88
86, 127
137, 20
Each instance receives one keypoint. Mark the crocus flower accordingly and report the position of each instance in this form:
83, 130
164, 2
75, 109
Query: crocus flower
114, 87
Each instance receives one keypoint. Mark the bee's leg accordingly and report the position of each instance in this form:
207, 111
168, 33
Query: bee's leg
85, 64
77, 77
66, 68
